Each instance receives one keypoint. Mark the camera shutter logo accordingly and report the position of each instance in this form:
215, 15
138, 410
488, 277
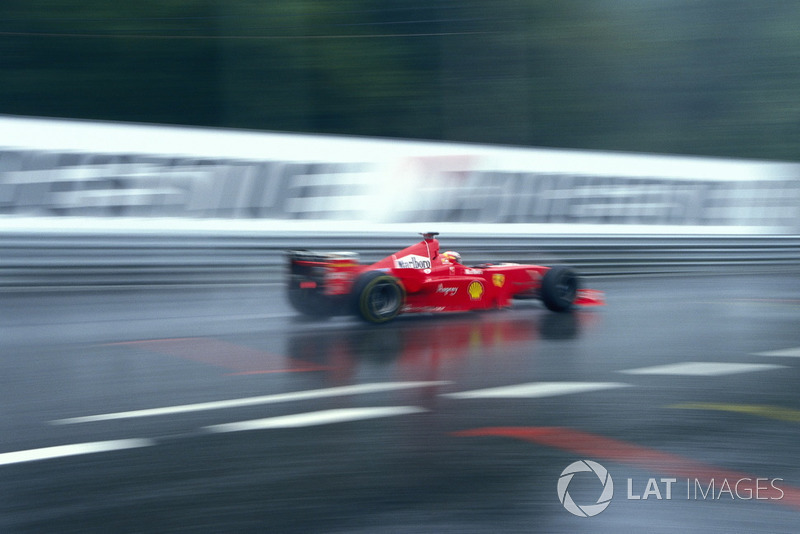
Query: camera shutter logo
586, 510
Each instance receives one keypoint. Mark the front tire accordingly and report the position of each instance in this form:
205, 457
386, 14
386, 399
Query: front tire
377, 297
559, 288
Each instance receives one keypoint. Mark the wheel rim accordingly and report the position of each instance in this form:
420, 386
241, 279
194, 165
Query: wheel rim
384, 300
566, 288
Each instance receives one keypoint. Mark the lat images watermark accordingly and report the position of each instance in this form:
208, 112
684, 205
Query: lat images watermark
606, 494
708, 489
662, 489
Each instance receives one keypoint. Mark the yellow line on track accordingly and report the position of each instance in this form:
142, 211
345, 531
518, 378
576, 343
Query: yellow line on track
761, 410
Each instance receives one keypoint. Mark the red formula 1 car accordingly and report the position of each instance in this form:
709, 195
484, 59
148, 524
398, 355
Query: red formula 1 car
418, 279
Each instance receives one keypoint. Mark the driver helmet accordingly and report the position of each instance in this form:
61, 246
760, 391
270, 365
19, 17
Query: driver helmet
451, 257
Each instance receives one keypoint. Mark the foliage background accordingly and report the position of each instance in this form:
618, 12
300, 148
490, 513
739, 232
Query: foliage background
717, 77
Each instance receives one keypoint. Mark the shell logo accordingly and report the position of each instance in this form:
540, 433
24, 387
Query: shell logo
475, 290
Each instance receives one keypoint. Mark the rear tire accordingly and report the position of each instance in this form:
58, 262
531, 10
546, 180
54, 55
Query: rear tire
377, 297
559, 288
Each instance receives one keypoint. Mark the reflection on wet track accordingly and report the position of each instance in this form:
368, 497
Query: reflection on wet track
431, 347
220, 410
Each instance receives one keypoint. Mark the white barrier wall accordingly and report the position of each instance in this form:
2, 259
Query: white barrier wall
74, 168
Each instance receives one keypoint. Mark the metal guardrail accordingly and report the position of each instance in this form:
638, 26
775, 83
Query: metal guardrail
103, 260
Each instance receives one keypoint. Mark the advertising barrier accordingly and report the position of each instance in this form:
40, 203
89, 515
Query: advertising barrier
71, 168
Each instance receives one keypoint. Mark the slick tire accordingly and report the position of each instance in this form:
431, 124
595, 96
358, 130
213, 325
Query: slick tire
377, 297
559, 288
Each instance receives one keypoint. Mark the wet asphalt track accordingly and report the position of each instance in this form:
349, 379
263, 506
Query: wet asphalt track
408, 427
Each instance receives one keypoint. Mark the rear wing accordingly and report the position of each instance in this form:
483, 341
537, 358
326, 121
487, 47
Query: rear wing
318, 270
313, 258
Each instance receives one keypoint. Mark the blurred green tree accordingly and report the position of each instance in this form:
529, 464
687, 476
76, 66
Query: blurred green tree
675, 76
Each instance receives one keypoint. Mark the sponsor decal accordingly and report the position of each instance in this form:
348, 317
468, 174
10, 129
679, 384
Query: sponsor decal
334, 276
475, 290
499, 280
423, 309
449, 291
473, 271
412, 261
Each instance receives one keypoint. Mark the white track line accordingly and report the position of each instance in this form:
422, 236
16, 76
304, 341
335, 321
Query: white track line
535, 390
359, 389
61, 451
324, 417
702, 369
786, 353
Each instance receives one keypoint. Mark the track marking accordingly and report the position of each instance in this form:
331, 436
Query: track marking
787, 353
325, 417
595, 446
702, 369
359, 389
62, 451
535, 390
761, 410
